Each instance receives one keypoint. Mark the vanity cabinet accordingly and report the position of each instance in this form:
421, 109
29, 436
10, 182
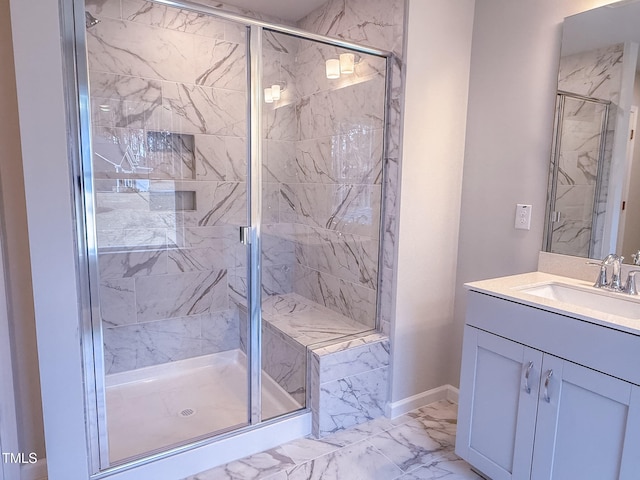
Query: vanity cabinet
587, 426
526, 413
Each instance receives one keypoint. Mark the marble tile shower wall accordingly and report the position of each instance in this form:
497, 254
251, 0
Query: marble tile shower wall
323, 179
598, 74
379, 24
327, 171
348, 383
148, 255
169, 134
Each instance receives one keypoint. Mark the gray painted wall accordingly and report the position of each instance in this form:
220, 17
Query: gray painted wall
437, 82
514, 67
16, 244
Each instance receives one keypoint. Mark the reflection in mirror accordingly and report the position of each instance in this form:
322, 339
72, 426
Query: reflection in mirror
576, 173
593, 200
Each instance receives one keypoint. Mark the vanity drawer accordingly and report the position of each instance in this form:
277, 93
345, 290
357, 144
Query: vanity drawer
607, 350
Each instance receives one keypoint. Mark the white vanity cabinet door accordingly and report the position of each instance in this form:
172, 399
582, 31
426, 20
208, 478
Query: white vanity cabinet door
587, 425
497, 405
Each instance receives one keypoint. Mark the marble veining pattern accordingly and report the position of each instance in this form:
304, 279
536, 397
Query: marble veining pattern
352, 400
284, 360
291, 325
305, 322
598, 74
117, 301
221, 158
169, 296
371, 23
354, 359
138, 345
323, 164
133, 263
348, 299
593, 74
415, 446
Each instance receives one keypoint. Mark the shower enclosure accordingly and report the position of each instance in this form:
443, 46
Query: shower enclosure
230, 216
577, 198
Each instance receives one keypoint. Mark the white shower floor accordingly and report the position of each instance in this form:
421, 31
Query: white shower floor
150, 408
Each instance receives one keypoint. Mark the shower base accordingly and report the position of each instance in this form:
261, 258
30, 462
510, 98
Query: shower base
155, 407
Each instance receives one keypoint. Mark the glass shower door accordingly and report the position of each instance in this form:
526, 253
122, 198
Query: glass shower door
168, 187
579, 168
323, 112
233, 190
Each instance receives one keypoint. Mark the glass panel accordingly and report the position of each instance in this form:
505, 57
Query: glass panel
322, 187
168, 114
575, 230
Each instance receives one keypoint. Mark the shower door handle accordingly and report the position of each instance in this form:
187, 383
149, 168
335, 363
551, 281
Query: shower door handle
245, 235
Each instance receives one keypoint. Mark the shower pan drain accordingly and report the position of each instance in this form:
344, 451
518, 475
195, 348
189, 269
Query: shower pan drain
187, 412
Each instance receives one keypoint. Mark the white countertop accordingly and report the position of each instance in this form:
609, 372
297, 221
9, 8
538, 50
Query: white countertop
509, 288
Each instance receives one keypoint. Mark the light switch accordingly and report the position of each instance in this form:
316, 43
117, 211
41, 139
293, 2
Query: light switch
523, 217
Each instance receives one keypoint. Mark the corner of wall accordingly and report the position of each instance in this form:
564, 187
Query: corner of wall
437, 85
21, 334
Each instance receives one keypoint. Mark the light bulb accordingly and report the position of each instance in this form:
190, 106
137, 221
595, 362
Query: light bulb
333, 68
347, 62
268, 95
275, 92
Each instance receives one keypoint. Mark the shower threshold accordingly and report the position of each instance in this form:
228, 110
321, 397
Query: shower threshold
156, 407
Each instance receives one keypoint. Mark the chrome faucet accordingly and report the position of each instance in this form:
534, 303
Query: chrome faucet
630, 285
616, 263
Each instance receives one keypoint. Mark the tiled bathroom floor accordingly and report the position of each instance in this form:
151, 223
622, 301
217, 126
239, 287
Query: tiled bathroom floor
415, 446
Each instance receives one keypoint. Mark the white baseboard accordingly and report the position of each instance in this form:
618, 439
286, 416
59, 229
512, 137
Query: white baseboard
34, 471
445, 392
452, 394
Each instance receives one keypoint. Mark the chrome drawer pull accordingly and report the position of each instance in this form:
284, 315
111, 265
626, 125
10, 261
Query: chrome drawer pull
547, 398
527, 387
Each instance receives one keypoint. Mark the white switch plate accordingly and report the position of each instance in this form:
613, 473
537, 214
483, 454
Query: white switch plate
523, 217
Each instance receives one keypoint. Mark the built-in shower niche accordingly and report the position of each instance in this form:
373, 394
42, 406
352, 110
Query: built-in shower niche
130, 154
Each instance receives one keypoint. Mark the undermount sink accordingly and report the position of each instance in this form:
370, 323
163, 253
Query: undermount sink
602, 301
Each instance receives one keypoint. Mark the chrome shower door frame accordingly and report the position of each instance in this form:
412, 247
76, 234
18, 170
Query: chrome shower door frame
80, 143
552, 189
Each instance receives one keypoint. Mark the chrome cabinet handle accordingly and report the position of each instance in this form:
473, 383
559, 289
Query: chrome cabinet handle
547, 398
527, 387
245, 235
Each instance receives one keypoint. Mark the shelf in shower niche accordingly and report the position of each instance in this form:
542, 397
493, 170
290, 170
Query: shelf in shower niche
120, 176
180, 201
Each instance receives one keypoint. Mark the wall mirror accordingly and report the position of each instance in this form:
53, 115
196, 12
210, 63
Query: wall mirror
593, 198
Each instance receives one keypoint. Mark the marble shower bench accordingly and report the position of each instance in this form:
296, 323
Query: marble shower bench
347, 363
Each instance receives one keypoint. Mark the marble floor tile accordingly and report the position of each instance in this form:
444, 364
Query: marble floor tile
414, 446
306, 449
447, 469
360, 432
255, 467
361, 461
